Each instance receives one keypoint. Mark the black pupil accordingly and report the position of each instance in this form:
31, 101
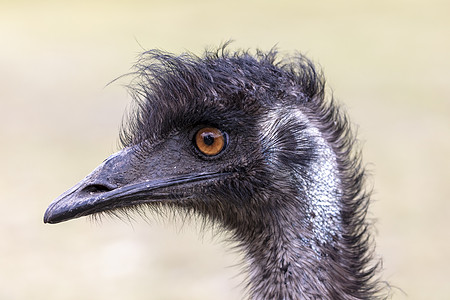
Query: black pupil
208, 139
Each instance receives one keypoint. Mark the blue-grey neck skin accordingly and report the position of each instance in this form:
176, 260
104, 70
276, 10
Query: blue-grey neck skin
321, 185
295, 249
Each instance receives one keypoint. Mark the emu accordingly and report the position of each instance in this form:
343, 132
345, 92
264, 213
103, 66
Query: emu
249, 142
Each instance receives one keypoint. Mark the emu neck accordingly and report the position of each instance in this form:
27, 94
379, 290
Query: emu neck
286, 261
294, 251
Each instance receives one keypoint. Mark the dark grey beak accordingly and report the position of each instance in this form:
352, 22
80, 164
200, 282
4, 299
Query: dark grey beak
126, 179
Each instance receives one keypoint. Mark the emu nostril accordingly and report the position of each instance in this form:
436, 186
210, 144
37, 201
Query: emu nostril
97, 188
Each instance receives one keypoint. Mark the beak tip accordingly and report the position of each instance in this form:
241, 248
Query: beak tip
67, 207
49, 216
56, 214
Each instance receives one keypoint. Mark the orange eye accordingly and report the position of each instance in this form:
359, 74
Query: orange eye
210, 141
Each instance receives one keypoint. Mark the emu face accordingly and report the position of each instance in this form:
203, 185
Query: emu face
192, 164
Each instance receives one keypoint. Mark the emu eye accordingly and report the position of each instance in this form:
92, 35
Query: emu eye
210, 141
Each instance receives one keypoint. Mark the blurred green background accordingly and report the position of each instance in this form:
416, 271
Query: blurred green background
387, 61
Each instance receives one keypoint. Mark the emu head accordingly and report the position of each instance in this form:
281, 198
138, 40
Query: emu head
248, 142
225, 136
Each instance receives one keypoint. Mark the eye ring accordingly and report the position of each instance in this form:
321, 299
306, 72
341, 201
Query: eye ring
210, 141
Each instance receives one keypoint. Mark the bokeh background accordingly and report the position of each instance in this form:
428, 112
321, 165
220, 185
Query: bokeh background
387, 61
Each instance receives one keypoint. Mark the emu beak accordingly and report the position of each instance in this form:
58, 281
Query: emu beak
126, 179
